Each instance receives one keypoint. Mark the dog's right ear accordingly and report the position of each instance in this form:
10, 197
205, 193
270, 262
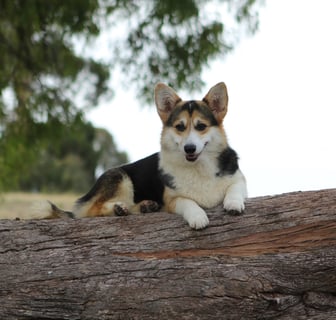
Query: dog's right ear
165, 100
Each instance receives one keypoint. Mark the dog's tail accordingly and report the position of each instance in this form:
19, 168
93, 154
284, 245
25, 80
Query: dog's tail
48, 210
56, 212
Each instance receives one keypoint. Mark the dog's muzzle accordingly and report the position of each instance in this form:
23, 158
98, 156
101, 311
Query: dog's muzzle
190, 154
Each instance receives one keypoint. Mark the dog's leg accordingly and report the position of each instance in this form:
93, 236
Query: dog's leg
117, 208
145, 206
112, 194
190, 211
235, 197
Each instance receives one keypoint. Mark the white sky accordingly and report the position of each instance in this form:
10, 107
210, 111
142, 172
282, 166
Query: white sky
282, 101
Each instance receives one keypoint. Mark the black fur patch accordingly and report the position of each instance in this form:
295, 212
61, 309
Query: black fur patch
146, 179
144, 174
106, 186
167, 179
227, 162
190, 107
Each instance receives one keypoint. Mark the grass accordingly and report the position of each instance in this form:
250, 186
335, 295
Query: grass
22, 204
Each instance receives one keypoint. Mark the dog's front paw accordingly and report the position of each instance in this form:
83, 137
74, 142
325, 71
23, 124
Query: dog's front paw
147, 206
197, 219
234, 206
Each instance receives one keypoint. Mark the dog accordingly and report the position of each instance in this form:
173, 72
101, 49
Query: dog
196, 169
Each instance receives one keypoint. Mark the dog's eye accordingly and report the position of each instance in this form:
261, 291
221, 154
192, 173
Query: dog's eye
200, 126
180, 127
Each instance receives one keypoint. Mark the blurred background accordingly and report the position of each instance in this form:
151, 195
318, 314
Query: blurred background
77, 79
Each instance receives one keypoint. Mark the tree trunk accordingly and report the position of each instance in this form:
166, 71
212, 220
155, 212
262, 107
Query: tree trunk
278, 260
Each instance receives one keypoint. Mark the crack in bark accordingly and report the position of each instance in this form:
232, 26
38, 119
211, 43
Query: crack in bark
292, 239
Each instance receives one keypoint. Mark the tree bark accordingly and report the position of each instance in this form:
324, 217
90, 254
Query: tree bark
278, 260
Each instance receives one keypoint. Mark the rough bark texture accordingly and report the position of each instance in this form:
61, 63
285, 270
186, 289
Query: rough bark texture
277, 261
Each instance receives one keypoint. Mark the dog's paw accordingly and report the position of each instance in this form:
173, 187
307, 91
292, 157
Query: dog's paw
197, 219
234, 206
147, 206
120, 209
234, 212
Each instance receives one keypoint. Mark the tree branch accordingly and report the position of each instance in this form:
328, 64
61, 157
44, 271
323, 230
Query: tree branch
278, 260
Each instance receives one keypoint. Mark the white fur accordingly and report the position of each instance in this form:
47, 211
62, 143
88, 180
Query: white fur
236, 194
192, 213
196, 183
196, 140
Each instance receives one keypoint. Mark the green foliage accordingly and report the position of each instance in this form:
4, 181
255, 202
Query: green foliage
173, 40
68, 164
37, 56
108, 154
42, 128
46, 84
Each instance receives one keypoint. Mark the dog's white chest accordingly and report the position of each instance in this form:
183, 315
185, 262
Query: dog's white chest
204, 187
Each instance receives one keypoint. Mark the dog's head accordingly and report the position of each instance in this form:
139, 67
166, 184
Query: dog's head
191, 126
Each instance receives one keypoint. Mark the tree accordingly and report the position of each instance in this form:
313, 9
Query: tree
278, 261
109, 156
174, 40
46, 84
40, 72
72, 164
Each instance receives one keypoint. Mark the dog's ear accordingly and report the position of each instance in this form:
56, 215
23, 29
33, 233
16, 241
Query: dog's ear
217, 100
165, 100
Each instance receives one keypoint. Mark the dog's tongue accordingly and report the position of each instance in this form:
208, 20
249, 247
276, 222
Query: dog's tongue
191, 157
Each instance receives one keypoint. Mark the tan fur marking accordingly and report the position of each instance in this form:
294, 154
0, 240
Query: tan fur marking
169, 202
191, 122
94, 210
124, 195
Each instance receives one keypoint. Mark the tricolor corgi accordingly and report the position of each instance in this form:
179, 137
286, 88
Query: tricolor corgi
195, 170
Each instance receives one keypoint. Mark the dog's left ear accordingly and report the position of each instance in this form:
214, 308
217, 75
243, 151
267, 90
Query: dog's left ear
217, 100
165, 100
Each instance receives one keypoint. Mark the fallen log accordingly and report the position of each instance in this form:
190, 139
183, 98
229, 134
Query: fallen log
278, 260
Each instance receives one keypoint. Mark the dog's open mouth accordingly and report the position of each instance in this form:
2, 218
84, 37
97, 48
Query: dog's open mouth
191, 157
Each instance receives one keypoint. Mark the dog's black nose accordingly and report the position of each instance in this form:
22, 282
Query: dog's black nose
189, 148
